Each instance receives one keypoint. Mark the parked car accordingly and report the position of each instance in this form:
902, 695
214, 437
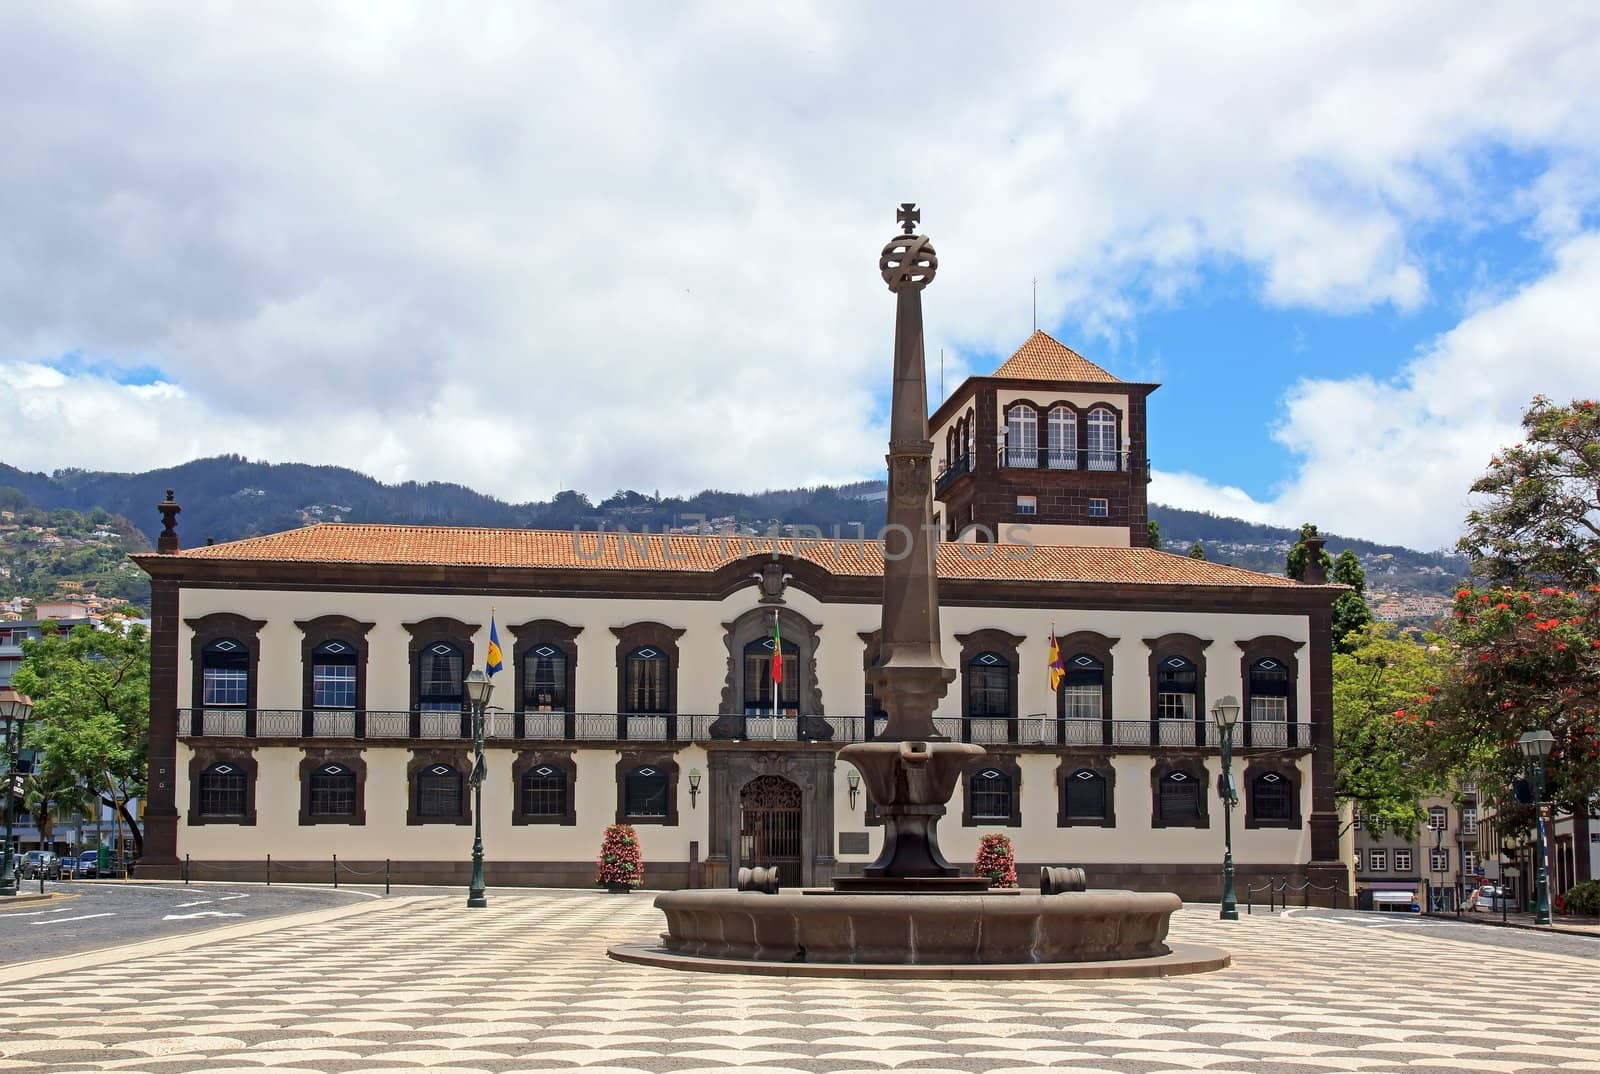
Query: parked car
88, 864
37, 863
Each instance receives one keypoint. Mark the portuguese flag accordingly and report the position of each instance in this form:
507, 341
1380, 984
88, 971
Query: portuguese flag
777, 656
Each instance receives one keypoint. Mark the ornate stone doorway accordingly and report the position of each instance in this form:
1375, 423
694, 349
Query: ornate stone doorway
770, 809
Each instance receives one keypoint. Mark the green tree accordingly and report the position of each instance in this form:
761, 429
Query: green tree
1380, 686
1350, 612
1153, 529
1539, 522
91, 697
1197, 551
52, 792
1299, 555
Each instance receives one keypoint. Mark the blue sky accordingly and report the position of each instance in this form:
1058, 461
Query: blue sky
635, 247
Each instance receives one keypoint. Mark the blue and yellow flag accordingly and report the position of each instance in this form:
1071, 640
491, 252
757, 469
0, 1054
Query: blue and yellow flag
492, 664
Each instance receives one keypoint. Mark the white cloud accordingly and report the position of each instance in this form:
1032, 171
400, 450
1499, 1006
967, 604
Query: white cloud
1394, 459
605, 245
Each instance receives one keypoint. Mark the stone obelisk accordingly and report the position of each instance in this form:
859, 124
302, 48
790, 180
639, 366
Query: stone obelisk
910, 771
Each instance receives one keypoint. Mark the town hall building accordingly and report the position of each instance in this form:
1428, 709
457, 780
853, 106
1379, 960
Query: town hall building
307, 686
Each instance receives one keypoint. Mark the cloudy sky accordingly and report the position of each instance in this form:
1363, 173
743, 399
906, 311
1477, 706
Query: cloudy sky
528, 247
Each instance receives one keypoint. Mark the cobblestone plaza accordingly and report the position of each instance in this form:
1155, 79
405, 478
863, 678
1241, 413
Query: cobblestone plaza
419, 982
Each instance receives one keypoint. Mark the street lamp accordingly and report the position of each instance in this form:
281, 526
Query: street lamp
1437, 866
1536, 747
1226, 713
477, 688
15, 709
853, 779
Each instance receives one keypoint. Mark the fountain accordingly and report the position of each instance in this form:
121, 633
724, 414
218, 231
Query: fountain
911, 913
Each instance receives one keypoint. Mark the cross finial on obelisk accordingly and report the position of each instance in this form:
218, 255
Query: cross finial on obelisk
909, 216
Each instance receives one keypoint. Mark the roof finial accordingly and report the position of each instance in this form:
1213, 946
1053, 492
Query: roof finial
167, 542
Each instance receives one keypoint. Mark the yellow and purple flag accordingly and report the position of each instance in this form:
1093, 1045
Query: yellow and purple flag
493, 662
1058, 667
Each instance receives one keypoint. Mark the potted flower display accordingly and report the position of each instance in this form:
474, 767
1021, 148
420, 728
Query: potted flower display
997, 860
619, 867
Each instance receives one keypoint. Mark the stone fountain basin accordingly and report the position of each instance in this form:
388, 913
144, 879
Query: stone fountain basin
947, 929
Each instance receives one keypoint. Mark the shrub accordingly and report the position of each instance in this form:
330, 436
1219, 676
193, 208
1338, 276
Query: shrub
619, 861
997, 861
1583, 899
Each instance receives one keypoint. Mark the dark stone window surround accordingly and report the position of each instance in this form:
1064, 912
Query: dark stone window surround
314, 759
1099, 646
439, 628
1100, 766
1041, 413
1279, 648
1196, 770
660, 636
1289, 771
629, 760
530, 636
756, 624
1000, 762
1002, 644
215, 627
526, 760
326, 628
1194, 650
204, 758
456, 758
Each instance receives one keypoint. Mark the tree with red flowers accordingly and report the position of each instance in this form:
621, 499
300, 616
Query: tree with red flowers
619, 861
997, 860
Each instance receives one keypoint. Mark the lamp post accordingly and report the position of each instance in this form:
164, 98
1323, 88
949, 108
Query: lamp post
477, 688
1437, 866
1536, 747
15, 709
1226, 713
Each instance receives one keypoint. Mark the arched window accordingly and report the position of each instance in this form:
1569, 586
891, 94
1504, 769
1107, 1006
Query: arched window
1271, 799
970, 435
439, 792
1063, 444
1022, 436
992, 796
758, 679
544, 680
648, 686
222, 791
439, 678
645, 792
1438, 818
1179, 801
1102, 428
333, 675
1084, 796
1176, 681
333, 791
225, 674
950, 446
544, 792
988, 687
1083, 688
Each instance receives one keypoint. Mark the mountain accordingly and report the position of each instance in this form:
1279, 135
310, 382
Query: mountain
228, 497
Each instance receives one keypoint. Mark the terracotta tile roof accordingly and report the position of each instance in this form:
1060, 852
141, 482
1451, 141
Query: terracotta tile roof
1044, 358
354, 543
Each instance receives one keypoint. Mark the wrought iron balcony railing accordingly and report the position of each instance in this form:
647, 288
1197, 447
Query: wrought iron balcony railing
1039, 732
1013, 457
948, 475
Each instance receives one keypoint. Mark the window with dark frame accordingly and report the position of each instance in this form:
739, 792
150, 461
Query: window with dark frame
333, 675
222, 791
647, 681
1099, 508
439, 678
1271, 797
1269, 691
544, 680
1176, 681
333, 791
1402, 861
988, 686
439, 792
645, 792
225, 674
1439, 860
992, 795
1083, 688
1027, 505
1378, 861
1438, 818
758, 679
1085, 795
544, 792
1179, 800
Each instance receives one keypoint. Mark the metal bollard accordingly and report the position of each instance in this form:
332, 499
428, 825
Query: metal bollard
336, 870
386, 876
269, 870
186, 870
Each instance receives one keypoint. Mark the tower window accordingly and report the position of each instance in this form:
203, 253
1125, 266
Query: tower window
1022, 437
1102, 428
1027, 505
1099, 508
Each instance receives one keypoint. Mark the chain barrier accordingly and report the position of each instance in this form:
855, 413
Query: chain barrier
1280, 886
339, 868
